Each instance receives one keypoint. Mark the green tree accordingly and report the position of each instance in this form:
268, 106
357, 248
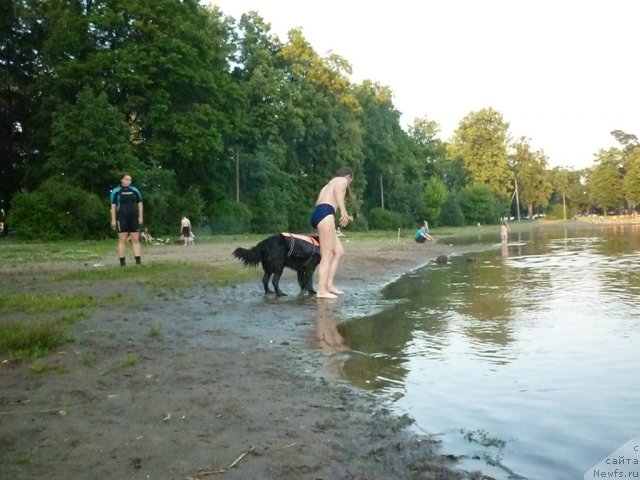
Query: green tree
435, 196
566, 187
90, 143
162, 64
271, 177
631, 166
534, 186
379, 119
628, 141
454, 173
481, 141
394, 173
329, 134
479, 204
21, 39
431, 154
429, 149
631, 182
606, 180
452, 213
265, 101
171, 83
64, 70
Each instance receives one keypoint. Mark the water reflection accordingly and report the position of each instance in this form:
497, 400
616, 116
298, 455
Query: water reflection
472, 298
328, 339
379, 366
327, 336
529, 343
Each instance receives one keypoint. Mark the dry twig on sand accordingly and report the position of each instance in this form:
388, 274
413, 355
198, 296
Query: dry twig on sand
60, 411
205, 473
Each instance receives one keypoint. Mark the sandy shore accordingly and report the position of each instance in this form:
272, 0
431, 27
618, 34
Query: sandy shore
236, 385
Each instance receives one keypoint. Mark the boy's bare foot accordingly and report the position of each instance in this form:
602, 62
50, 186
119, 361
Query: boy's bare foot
337, 291
326, 295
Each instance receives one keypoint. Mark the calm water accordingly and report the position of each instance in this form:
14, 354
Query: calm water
524, 361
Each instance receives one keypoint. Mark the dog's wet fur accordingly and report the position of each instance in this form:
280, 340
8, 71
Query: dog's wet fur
273, 254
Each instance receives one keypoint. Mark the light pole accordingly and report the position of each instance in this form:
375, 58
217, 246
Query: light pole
237, 175
517, 200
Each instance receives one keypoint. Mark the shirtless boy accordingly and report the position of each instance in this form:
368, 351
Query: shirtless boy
331, 198
504, 232
185, 231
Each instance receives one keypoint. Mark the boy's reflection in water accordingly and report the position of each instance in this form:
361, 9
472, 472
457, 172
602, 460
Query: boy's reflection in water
328, 338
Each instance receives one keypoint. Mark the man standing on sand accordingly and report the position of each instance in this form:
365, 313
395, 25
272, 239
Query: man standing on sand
126, 216
331, 197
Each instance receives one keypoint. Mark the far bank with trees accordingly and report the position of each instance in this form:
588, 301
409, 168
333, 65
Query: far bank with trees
219, 120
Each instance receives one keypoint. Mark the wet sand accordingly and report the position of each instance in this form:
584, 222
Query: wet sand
235, 384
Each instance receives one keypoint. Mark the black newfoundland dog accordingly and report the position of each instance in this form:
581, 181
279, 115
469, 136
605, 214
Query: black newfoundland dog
298, 252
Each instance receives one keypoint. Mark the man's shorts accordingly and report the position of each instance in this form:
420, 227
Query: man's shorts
128, 224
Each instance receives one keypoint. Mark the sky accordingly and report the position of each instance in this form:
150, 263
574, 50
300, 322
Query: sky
562, 73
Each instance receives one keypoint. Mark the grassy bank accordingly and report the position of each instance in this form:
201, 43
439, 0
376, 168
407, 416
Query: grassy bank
55, 284
51, 285
14, 252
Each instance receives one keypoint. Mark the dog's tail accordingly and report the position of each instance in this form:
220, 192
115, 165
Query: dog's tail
251, 257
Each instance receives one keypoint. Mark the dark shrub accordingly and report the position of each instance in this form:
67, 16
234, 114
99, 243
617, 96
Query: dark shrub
479, 205
230, 218
452, 213
57, 210
380, 219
